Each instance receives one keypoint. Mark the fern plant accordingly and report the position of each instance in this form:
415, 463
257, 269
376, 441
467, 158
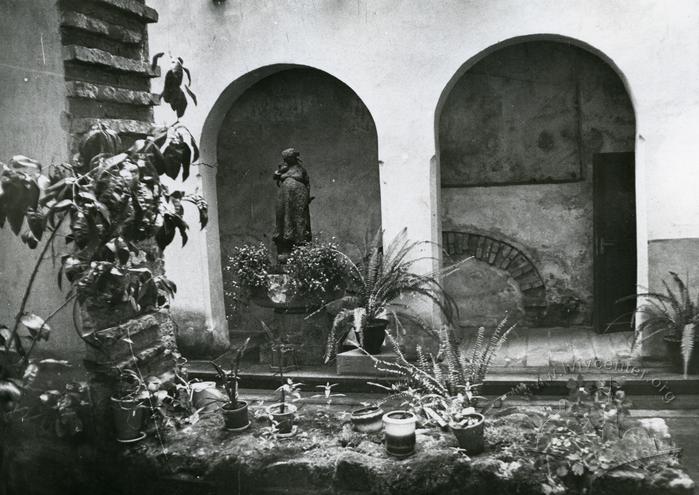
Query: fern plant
377, 284
672, 313
445, 387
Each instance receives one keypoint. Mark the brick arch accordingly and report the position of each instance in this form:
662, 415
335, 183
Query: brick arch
505, 256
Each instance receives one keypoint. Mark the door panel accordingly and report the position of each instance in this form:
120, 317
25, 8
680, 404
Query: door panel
614, 203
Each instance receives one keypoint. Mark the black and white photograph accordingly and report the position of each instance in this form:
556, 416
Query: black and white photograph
349, 247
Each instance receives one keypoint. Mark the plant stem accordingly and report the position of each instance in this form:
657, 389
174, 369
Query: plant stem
37, 336
13, 336
281, 374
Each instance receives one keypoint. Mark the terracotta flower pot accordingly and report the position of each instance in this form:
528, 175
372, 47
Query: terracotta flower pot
399, 429
284, 420
367, 419
469, 433
374, 334
128, 419
236, 418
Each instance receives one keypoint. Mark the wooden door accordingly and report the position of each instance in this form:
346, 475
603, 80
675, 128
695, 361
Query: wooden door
614, 203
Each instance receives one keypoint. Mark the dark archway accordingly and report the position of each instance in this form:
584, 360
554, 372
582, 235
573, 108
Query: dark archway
332, 128
518, 131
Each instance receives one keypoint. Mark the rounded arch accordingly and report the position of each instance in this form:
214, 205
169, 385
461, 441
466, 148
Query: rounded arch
501, 184
256, 116
559, 38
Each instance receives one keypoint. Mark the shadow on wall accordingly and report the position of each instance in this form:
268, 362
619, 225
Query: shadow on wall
326, 121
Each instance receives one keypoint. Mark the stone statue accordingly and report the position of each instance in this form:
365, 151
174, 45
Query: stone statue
293, 219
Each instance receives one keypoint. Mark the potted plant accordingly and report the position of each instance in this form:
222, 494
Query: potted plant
282, 414
368, 419
128, 407
312, 275
399, 429
674, 315
235, 412
442, 390
374, 287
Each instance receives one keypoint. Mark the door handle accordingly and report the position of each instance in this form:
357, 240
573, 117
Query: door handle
604, 243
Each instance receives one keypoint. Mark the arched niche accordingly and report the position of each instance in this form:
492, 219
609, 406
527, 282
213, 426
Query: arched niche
519, 129
325, 120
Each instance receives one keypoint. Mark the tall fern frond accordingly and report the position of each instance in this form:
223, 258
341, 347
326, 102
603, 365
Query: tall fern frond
687, 346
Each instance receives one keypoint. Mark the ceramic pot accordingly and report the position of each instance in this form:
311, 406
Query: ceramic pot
673, 346
367, 419
470, 438
284, 420
399, 430
373, 335
128, 419
207, 397
236, 418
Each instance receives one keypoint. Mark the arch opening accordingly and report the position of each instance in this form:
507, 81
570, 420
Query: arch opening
535, 142
314, 112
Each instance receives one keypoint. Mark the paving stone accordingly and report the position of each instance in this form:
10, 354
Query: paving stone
75, 53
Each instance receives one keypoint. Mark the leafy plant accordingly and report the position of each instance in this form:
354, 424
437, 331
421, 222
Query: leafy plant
229, 379
673, 313
377, 285
172, 89
288, 388
250, 264
112, 210
317, 270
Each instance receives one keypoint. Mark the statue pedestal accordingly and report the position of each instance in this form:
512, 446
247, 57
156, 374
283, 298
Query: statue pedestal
356, 362
307, 335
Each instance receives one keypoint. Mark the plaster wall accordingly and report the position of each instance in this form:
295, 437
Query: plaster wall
401, 58
32, 100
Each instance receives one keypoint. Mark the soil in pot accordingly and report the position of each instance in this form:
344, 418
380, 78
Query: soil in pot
128, 419
367, 419
284, 420
674, 351
235, 416
374, 335
469, 433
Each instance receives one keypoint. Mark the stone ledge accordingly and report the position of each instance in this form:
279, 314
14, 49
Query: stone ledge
95, 56
122, 126
133, 7
98, 26
102, 92
356, 362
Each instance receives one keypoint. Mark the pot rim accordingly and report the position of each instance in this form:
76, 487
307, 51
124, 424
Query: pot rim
292, 408
368, 411
226, 407
201, 386
456, 426
412, 418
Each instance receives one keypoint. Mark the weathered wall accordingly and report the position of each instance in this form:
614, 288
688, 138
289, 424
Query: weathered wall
70, 63
402, 58
576, 106
32, 99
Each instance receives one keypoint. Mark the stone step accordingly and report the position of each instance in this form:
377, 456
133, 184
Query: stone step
95, 56
500, 380
121, 126
83, 22
134, 8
